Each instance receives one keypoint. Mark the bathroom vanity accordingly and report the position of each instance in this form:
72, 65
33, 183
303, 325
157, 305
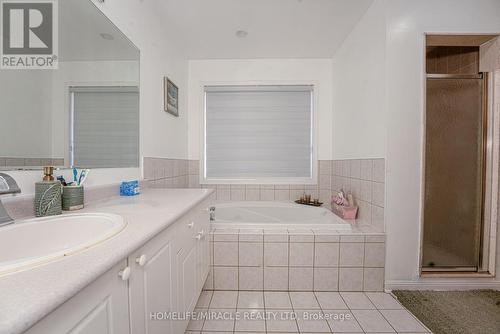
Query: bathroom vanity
132, 283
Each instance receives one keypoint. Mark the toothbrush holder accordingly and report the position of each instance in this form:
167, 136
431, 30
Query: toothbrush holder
73, 198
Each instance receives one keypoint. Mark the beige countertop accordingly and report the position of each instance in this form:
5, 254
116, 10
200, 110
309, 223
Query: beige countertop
27, 296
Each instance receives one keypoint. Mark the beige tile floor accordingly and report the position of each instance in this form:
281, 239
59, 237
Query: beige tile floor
249, 312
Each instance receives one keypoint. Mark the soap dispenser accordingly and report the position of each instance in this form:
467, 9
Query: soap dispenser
48, 195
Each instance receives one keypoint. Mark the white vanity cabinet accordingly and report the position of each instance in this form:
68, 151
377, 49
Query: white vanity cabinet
203, 247
101, 308
168, 274
162, 278
151, 285
192, 261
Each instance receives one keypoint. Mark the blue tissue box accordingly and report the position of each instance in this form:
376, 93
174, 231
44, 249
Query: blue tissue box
130, 188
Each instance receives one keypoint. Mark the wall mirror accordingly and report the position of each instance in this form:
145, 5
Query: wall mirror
85, 113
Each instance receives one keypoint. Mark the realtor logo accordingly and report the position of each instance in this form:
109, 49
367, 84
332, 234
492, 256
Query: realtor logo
29, 34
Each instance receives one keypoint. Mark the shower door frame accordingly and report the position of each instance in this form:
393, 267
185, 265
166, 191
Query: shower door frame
487, 152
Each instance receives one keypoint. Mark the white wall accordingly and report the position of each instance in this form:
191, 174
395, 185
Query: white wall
261, 71
402, 110
359, 90
25, 114
162, 54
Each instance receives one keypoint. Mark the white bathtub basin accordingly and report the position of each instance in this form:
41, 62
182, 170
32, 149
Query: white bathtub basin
265, 214
36, 241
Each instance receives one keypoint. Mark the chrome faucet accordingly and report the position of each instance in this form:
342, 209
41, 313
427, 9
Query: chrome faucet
7, 186
212, 213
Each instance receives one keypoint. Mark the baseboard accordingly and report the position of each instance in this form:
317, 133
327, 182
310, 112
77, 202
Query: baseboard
443, 284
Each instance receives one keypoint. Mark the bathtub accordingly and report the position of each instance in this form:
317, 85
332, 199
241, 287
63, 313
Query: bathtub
275, 215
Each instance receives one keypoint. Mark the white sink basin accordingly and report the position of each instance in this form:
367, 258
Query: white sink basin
36, 241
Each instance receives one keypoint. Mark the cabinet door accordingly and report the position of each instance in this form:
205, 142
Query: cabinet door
151, 287
202, 247
187, 289
102, 307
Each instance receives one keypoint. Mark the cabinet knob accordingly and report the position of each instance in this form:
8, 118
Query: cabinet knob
198, 236
141, 260
191, 225
125, 274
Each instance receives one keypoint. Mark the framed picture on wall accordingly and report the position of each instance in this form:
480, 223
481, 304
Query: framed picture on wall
171, 97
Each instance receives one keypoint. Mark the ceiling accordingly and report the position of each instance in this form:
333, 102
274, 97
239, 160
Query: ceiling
276, 28
80, 26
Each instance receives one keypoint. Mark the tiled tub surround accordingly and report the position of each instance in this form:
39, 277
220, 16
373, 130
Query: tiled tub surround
364, 178
296, 260
292, 260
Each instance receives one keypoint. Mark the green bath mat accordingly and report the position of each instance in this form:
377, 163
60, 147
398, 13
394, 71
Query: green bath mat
455, 312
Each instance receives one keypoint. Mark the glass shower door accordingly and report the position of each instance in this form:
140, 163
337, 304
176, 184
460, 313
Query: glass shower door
454, 173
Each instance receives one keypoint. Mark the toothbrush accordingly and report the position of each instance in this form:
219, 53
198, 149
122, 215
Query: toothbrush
62, 180
83, 176
82, 173
75, 175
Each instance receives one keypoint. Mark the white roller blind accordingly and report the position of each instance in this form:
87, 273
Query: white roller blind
105, 127
254, 132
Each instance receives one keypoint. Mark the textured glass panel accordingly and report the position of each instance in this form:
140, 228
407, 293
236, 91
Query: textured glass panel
453, 172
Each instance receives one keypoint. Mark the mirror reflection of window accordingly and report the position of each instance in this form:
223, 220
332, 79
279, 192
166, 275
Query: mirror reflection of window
104, 127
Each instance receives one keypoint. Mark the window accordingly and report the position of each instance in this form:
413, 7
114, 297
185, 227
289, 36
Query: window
104, 127
258, 134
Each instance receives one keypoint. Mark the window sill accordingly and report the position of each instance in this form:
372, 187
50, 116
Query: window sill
262, 181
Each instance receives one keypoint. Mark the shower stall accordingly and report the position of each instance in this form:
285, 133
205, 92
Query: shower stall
455, 160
